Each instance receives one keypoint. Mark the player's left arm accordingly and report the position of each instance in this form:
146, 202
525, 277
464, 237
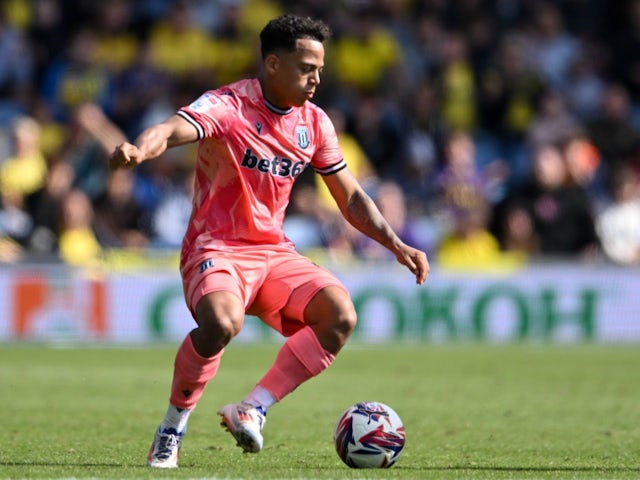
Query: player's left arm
361, 212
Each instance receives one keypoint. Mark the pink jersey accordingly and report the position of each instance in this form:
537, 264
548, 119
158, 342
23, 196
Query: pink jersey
249, 155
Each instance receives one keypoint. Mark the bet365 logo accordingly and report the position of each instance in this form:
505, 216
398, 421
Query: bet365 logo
277, 166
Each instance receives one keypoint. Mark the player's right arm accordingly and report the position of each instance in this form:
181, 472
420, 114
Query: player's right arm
361, 212
153, 142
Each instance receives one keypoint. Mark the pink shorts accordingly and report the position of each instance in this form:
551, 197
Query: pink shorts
274, 283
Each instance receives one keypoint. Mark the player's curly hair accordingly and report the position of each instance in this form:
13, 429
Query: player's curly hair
281, 33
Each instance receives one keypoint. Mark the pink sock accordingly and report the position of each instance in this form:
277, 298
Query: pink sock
191, 373
300, 358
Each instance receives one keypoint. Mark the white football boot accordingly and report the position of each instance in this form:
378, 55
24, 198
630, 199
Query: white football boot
165, 449
245, 423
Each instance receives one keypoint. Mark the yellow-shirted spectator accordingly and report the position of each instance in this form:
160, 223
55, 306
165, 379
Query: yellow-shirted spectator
18, 13
254, 14
357, 160
233, 50
177, 45
362, 57
25, 171
479, 249
458, 86
231, 59
470, 246
53, 135
77, 241
116, 45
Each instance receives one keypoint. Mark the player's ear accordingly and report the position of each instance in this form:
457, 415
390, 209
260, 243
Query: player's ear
271, 63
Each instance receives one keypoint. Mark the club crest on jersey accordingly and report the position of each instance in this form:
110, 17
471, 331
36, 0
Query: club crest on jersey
303, 137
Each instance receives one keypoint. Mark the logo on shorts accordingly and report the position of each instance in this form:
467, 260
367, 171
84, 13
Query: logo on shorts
208, 263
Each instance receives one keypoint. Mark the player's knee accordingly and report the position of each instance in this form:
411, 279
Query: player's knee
339, 319
332, 316
345, 319
221, 329
218, 323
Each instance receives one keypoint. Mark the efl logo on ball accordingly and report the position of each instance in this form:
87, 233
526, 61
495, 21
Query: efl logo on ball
369, 435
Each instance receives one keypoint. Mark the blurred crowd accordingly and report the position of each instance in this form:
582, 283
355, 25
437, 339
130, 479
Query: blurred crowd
489, 132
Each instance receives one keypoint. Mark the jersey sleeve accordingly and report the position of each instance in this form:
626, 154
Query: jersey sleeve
328, 158
210, 114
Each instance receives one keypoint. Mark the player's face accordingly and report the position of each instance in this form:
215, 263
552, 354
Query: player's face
294, 76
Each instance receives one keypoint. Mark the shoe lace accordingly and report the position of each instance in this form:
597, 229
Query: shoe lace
168, 441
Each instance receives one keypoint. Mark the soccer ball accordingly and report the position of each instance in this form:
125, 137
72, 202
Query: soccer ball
369, 435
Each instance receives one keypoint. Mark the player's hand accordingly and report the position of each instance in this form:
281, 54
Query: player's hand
125, 155
416, 261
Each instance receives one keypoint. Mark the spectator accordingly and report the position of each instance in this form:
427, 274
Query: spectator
139, 89
553, 49
10, 251
15, 222
461, 181
365, 52
424, 52
423, 137
45, 208
392, 203
508, 94
587, 82
469, 245
553, 123
584, 166
25, 170
119, 218
560, 211
116, 43
16, 72
613, 132
457, 85
618, 225
74, 78
625, 49
170, 218
513, 226
47, 34
304, 220
380, 128
356, 159
232, 50
78, 243
178, 45
92, 136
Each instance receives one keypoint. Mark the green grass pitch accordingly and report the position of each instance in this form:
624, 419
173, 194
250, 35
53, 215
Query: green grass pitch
470, 411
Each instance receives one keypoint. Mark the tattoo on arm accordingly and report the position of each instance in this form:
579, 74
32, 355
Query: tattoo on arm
364, 215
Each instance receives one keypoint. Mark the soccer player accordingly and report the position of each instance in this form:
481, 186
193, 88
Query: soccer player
255, 138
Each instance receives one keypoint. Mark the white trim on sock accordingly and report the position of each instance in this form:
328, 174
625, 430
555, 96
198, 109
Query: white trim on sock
260, 397
176, 418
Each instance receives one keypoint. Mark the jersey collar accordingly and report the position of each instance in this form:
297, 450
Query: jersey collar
277, 110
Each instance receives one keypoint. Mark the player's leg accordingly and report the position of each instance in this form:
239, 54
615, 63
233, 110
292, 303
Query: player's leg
329, 318
309, 305
219, 314
219, 318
